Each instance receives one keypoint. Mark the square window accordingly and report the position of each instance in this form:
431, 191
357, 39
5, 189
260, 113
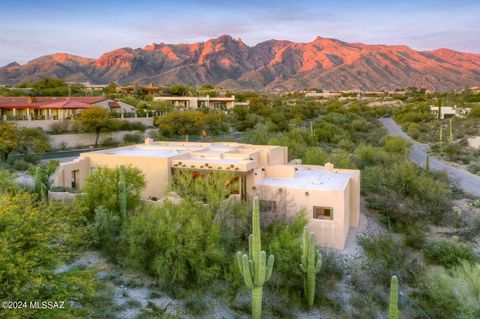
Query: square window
268, 205
322, 212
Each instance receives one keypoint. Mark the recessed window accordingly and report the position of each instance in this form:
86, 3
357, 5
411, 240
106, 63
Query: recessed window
268, 205
320, 212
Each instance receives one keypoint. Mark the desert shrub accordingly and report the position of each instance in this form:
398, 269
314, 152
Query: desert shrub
258, 135
7, 181
21, 165
328, 133
106, 229
385, 256
414, 130
196, 305
396, 145
59, 127
101, 189
180, 244
208, 187
110, 142
125, 125
133, 138
448, 253
367, 155
315, 156
452, 294
283, 239
31, 269
428, 195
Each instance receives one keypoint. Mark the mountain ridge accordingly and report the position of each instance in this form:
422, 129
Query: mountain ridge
324, 63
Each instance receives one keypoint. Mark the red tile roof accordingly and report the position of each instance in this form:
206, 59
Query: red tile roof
68, 104
44, 102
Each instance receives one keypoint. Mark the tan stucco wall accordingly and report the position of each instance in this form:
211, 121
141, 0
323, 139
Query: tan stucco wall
156, 170
329, 233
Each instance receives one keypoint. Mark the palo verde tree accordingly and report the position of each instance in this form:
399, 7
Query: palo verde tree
182, 123
95, 120
311, 262
254, 267
9, 139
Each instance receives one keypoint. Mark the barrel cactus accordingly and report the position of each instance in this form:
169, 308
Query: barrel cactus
254, 267
393, 306
310, 265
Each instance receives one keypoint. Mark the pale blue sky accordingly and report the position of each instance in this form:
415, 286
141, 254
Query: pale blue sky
29, 29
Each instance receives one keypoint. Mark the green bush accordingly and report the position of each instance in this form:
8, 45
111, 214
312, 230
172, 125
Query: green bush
284, 239
385, 256
133, 138
315, 156
36, 243
452, 294
180, 244
101, 189
448, 253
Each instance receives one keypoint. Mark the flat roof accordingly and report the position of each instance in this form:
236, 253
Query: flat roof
148, 152
309, 179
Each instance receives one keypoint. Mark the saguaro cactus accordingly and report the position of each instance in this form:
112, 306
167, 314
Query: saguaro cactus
123, 190
310, 265
40, 187
254, 267
450, 133
38, 180
441, 133
427, 164
393, 306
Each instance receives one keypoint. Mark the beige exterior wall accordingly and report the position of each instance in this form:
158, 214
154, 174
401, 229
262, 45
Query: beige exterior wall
329, 233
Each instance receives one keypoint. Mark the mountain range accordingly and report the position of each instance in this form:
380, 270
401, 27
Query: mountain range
324, 63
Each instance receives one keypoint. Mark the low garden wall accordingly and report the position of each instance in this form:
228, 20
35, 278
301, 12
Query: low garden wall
61, 141
45, 124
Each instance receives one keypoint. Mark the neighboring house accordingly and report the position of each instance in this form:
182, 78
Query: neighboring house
196, 102
324, 95
449, 111
116, 106
55, 108
329, 197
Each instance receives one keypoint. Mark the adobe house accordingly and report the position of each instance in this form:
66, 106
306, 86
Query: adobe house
196, 102
329, 197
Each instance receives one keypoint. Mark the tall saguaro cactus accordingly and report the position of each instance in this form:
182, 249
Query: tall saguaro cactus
123, 190
393, 306
450, 133
427, 164
310, 265
254, 267
40, 187
441, 133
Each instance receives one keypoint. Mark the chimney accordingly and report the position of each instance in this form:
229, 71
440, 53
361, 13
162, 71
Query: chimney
329, 166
